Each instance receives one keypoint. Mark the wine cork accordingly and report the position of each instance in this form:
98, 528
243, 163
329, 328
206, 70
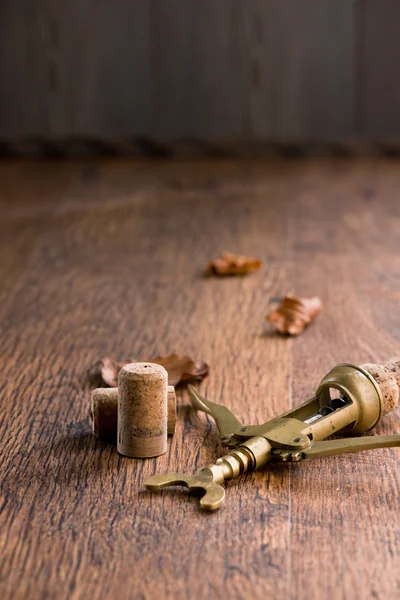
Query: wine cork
171, 410
142, 410
104, 413
387, 376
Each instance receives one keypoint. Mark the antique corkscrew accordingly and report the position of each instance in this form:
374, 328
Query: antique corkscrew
349, 398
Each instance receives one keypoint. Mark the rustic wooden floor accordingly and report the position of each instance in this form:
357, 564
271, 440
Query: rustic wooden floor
105, 259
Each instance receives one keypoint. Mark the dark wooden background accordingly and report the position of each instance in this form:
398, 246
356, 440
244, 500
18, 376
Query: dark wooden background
105, 258
235, 69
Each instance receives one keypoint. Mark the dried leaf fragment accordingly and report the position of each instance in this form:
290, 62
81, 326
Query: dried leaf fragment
180, 369
232, 264
105, 372
294, 314
109, 371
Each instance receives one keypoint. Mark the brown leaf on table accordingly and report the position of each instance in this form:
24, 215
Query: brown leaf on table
294, 314
181, 369
105, 372
232, 264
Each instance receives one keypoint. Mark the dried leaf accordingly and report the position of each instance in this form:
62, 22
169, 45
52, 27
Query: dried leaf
232, 264
105, 372
294, 314
180, 369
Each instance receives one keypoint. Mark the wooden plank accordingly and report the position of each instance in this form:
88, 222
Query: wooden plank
106, 258
316, 69
25, 198
198, 72
116, 270
344, 510
114, 61
229, 69
378, 83
74, 68
22, 96
298, 61
252, 69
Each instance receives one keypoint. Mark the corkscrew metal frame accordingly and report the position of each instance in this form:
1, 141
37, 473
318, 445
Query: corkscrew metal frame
349, 398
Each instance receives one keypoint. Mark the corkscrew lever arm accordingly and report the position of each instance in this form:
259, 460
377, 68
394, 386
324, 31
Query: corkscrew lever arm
338, 446
225, 420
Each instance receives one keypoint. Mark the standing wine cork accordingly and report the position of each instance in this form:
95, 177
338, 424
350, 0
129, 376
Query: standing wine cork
104, 412
142, 410
387, 376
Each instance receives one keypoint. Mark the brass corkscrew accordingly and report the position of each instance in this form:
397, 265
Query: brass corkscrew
349, 398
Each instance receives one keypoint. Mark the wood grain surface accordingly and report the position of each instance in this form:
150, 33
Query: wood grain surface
105, 258
236, 69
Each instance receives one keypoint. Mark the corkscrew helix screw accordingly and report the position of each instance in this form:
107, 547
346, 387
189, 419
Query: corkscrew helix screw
349, 398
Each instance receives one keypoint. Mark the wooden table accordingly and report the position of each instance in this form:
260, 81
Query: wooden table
104, 259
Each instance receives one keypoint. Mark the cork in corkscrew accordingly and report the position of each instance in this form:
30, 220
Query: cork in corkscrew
387, 376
